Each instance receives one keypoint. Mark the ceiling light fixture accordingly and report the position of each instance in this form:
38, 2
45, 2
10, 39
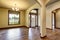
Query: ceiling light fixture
15, 8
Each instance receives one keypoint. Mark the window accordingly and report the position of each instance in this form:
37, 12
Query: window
14, 17
33, 11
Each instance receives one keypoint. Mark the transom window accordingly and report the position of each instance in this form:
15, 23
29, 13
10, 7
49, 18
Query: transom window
33, 11
14, 17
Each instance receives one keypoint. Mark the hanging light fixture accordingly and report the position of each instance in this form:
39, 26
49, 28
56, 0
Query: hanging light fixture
15, 8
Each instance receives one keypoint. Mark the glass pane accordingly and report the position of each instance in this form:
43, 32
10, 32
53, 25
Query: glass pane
36, 21
16, 19
29, 20
13, 18
33, 11
33, 20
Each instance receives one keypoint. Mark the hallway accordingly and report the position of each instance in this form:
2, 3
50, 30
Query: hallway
27, 34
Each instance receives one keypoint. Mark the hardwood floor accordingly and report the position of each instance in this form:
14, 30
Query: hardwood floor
28, 34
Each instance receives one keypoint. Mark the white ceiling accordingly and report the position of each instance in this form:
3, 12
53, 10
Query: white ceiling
21, 4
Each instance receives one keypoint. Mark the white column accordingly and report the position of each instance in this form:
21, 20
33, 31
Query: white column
43, 21
43, 4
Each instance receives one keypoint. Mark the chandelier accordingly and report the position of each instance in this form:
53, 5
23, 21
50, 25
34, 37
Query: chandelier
15, 8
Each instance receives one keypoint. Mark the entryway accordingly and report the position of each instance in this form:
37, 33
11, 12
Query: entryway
33, 16
54, 20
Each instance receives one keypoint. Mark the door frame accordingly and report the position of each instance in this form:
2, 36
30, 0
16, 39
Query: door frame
35, 17
54, 20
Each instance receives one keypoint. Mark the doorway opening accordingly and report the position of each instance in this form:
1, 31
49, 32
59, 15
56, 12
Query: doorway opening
54, 21
33, 18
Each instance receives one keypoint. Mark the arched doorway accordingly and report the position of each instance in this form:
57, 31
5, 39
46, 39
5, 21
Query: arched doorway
53, 20
56, 18
33, 17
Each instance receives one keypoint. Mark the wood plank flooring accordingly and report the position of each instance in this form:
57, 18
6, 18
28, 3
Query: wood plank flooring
28, 34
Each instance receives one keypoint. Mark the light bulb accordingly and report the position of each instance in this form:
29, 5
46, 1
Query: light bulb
13, 8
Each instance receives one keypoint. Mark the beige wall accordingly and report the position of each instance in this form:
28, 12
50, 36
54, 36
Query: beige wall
50, 8
24, 15
48, 16
0, 19
48, 20
35, 6
4, 18
58, 19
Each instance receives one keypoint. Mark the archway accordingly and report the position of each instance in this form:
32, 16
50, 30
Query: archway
56, 18
33, 18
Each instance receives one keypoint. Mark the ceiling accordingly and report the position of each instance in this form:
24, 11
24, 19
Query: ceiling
52, 1
21, 4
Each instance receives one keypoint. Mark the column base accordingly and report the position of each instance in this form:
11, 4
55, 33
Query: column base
44, 36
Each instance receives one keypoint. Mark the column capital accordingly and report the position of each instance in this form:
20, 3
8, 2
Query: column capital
43, 2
